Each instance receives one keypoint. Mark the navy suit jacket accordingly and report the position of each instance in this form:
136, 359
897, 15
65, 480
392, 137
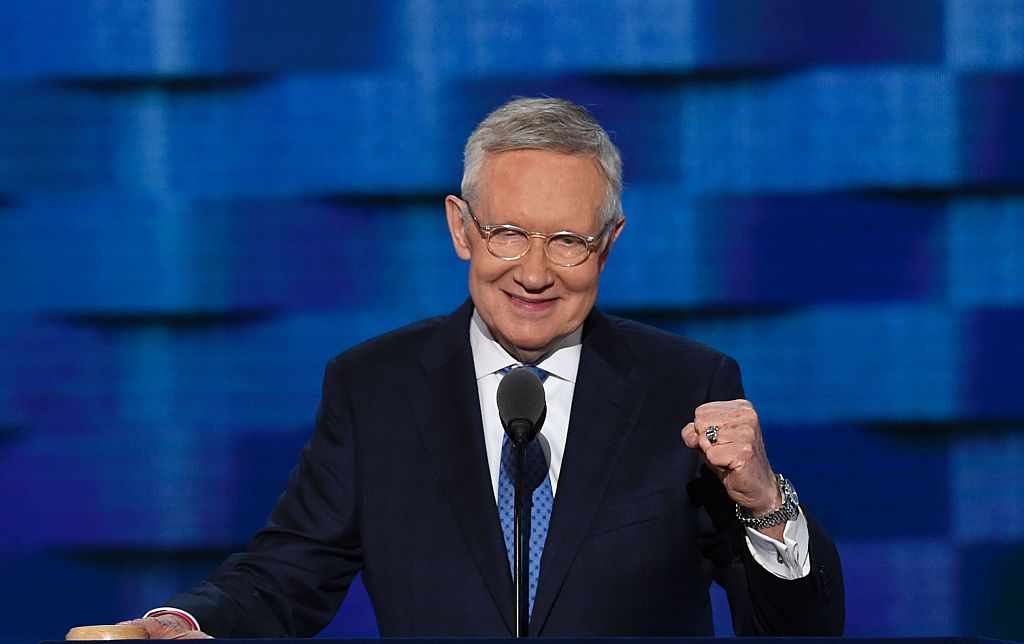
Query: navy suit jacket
394, 484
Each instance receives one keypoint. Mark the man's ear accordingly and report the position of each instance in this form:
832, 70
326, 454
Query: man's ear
612, 236
457, 227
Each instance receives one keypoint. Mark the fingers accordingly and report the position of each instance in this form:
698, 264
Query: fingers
723, 413
690, 437
167, 627
737, 455
693, 439
735, 427
729, 457
733, 420
700, 437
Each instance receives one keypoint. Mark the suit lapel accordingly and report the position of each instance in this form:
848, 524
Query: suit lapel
605, 401
448, 415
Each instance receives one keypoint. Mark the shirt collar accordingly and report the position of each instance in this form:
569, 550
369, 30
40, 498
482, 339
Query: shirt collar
489, 357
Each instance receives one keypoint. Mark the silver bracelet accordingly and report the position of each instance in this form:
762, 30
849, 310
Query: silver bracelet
789, 509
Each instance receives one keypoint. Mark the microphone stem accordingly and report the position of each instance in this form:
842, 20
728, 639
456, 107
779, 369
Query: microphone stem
521, 556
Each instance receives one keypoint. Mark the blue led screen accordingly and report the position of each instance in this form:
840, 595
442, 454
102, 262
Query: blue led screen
201, 202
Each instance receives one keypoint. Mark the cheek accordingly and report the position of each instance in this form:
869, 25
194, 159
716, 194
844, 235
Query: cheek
582, 284
582, 290
486, 273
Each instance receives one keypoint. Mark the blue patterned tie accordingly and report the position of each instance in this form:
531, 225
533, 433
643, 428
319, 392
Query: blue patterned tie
536, 480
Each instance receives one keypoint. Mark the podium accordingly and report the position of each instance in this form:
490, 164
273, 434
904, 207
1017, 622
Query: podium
615, 640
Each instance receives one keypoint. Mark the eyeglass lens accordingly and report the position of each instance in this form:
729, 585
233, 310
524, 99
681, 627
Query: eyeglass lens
510, 243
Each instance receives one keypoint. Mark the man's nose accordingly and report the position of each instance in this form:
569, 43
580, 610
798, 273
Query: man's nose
534, 268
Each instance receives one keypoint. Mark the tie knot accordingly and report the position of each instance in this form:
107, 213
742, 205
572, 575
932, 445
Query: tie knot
537, 371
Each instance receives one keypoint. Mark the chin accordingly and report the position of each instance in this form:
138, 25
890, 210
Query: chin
525, 343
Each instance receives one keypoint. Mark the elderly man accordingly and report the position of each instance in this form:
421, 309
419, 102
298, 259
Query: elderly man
407, 477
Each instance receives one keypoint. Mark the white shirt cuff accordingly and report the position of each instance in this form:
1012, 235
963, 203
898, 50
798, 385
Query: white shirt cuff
184, 614
788, 559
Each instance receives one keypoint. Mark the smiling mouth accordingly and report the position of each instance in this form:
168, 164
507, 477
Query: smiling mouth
531, 304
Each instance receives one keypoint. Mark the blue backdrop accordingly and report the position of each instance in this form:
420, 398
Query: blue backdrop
202, 201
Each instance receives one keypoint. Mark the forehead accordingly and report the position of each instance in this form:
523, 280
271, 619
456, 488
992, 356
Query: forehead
542, 190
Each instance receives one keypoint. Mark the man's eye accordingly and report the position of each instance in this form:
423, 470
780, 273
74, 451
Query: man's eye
507, 235
567, 241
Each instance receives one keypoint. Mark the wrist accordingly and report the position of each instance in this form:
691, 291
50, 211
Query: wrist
773, 504
787, 509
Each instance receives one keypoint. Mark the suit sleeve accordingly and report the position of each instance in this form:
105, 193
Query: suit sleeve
298, 567
761, 603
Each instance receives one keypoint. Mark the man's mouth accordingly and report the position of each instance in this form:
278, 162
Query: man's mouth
531, 303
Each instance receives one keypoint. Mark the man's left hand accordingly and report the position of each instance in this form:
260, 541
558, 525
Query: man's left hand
168, 627
737, 456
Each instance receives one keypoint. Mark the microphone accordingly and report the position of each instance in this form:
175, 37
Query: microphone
521, 405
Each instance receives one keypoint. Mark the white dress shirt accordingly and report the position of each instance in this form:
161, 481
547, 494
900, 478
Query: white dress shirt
788, 559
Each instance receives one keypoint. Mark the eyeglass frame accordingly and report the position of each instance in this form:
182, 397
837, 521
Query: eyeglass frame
487, 232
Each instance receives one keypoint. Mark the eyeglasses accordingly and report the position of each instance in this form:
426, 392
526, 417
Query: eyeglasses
564, 248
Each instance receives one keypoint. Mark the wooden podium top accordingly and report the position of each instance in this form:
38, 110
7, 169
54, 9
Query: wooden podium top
622, 640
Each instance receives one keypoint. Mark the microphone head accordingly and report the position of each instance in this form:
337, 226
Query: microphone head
521, 404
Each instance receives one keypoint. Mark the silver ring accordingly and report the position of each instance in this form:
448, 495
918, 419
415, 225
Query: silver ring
712, 433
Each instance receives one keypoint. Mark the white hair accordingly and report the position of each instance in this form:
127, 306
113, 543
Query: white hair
545, 124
